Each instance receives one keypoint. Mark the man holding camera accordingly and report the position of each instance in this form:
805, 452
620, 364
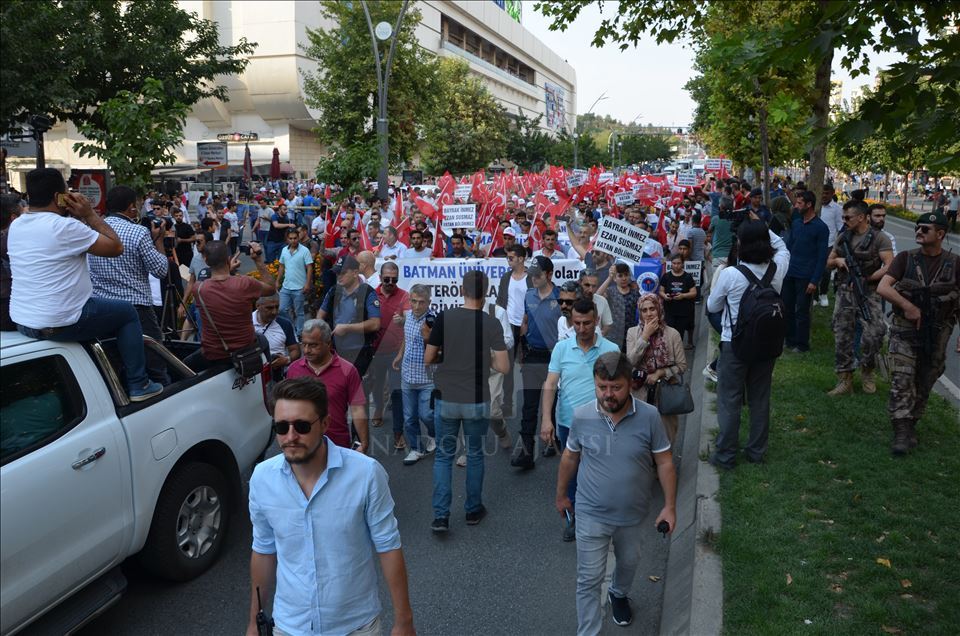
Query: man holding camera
127, 276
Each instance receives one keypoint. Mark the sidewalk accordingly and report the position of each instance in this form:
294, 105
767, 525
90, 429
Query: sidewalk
693, 596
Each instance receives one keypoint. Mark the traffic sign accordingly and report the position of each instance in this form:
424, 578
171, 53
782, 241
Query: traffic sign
212, 154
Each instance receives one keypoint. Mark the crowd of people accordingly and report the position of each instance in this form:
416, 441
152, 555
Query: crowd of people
578, 364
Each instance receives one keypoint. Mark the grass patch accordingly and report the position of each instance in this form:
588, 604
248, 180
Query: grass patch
832, 529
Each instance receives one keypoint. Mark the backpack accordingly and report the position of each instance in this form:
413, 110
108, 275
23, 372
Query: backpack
761, 325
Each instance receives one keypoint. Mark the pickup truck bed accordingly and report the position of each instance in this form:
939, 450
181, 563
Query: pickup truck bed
88, 478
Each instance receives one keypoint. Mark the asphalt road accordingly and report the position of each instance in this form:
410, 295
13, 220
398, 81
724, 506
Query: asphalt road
511, 574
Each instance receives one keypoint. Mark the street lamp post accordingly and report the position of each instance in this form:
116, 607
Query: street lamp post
383, 31
620, 154
576, 126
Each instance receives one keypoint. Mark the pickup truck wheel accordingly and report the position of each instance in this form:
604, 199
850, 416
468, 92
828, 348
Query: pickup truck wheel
189, 524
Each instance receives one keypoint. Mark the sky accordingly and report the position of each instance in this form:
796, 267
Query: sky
644, 82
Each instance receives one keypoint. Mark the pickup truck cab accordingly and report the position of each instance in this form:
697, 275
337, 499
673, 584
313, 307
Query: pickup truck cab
89, 478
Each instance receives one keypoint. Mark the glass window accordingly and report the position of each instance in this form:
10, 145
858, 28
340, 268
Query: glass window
39, 402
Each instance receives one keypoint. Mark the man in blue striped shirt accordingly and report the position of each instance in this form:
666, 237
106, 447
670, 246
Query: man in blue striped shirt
319, 513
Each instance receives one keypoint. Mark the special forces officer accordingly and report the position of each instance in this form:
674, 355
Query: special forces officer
861, 256
923, 285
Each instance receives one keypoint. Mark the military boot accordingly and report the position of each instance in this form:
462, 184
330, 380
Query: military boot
844, 385
867, 381
912, 434
901, 437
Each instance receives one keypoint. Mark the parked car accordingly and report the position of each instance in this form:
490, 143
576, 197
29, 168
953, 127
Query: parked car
90, 478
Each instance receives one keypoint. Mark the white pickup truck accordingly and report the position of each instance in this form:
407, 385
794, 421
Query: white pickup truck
88, 478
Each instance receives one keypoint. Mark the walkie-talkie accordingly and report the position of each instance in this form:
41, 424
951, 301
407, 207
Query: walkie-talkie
264, 624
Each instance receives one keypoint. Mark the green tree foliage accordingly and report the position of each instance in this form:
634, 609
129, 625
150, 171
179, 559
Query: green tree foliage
349, 165
589, 152
139, 131
644, 148
468, 129
918, 95
65, 59
527, 144
731, 102
344, 90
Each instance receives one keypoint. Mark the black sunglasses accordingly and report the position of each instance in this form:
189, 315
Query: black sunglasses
922, 229
302, 427
565, 301
389, 279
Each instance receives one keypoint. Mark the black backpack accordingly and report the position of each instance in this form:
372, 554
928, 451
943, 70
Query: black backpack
761, 325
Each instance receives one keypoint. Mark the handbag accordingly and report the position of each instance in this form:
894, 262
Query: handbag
247, 362
674, 399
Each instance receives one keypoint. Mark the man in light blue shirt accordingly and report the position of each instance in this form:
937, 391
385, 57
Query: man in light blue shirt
571, 368
296, 276
319, 512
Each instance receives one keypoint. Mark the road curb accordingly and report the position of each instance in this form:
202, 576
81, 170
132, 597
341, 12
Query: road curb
693, 592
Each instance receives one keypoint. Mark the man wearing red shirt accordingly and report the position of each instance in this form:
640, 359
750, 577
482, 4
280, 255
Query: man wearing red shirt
344, 389
393, 302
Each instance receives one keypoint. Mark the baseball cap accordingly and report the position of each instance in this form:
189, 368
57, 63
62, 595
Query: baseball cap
509, 232
933, 218
345, 263
540, 265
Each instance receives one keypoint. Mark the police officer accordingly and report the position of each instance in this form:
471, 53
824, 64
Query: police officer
873, 253
923, 285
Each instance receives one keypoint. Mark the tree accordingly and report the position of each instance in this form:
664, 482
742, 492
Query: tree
349, 165
527, 144
344, 90
643, 148
469, 127
919, 92
139, 132
65, 59
589, 152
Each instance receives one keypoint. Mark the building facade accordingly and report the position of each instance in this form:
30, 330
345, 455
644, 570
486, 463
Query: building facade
267, 98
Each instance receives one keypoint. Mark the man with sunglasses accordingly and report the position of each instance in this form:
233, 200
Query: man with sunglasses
923, 285
319, 513
874, 253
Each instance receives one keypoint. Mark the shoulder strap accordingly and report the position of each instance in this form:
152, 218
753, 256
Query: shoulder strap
769, 274
210, 318
749, 275
492, 309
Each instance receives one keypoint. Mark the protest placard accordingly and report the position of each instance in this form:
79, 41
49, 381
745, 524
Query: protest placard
462, 193
687, 179
618, 238
459, 216
550, 194
695, 269
604, 177
624, 199
574, 181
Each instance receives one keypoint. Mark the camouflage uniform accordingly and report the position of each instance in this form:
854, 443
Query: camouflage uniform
919, 356
846, 313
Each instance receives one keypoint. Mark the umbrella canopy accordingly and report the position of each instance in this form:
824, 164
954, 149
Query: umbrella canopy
247, 164
275, 165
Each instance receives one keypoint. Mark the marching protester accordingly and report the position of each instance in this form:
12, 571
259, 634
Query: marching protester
465, 343
352, 309
416, 378
319, 514
394, 302
295, 277
610, 443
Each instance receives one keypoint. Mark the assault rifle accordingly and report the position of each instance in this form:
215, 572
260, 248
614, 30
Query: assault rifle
857, 278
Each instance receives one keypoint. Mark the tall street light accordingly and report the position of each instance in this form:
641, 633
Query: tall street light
576, 126
383, 32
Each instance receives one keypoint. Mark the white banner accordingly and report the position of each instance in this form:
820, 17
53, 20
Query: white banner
624, 199
620, 239
575, 181
459, 216
687, 179
604, 177
463, 192
695, 269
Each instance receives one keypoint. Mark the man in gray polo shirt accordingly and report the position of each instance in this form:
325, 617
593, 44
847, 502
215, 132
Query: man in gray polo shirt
611, 442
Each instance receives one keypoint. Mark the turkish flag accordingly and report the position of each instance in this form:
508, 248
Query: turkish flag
331, 233
424, 206
365, 242
497, 240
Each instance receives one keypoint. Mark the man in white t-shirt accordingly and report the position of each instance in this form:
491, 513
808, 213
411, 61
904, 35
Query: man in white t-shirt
392, 248
278, 331
550, 248
51, 297
417, 247
511, 292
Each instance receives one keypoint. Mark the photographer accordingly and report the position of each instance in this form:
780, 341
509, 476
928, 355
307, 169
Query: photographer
127, 277
224, 302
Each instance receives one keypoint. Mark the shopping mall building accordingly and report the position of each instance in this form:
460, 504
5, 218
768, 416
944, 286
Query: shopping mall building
267, 98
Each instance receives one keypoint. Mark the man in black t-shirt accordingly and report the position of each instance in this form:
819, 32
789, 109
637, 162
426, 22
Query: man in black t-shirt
186, 237
678, 291
465, 343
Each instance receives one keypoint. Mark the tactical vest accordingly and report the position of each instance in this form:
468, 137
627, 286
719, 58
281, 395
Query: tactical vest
942, 287
867, 256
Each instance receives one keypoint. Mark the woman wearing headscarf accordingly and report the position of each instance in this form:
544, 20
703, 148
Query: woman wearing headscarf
656, 352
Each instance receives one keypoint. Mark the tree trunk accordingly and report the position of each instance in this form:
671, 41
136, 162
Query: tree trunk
906, 189
821, 112
764, 149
